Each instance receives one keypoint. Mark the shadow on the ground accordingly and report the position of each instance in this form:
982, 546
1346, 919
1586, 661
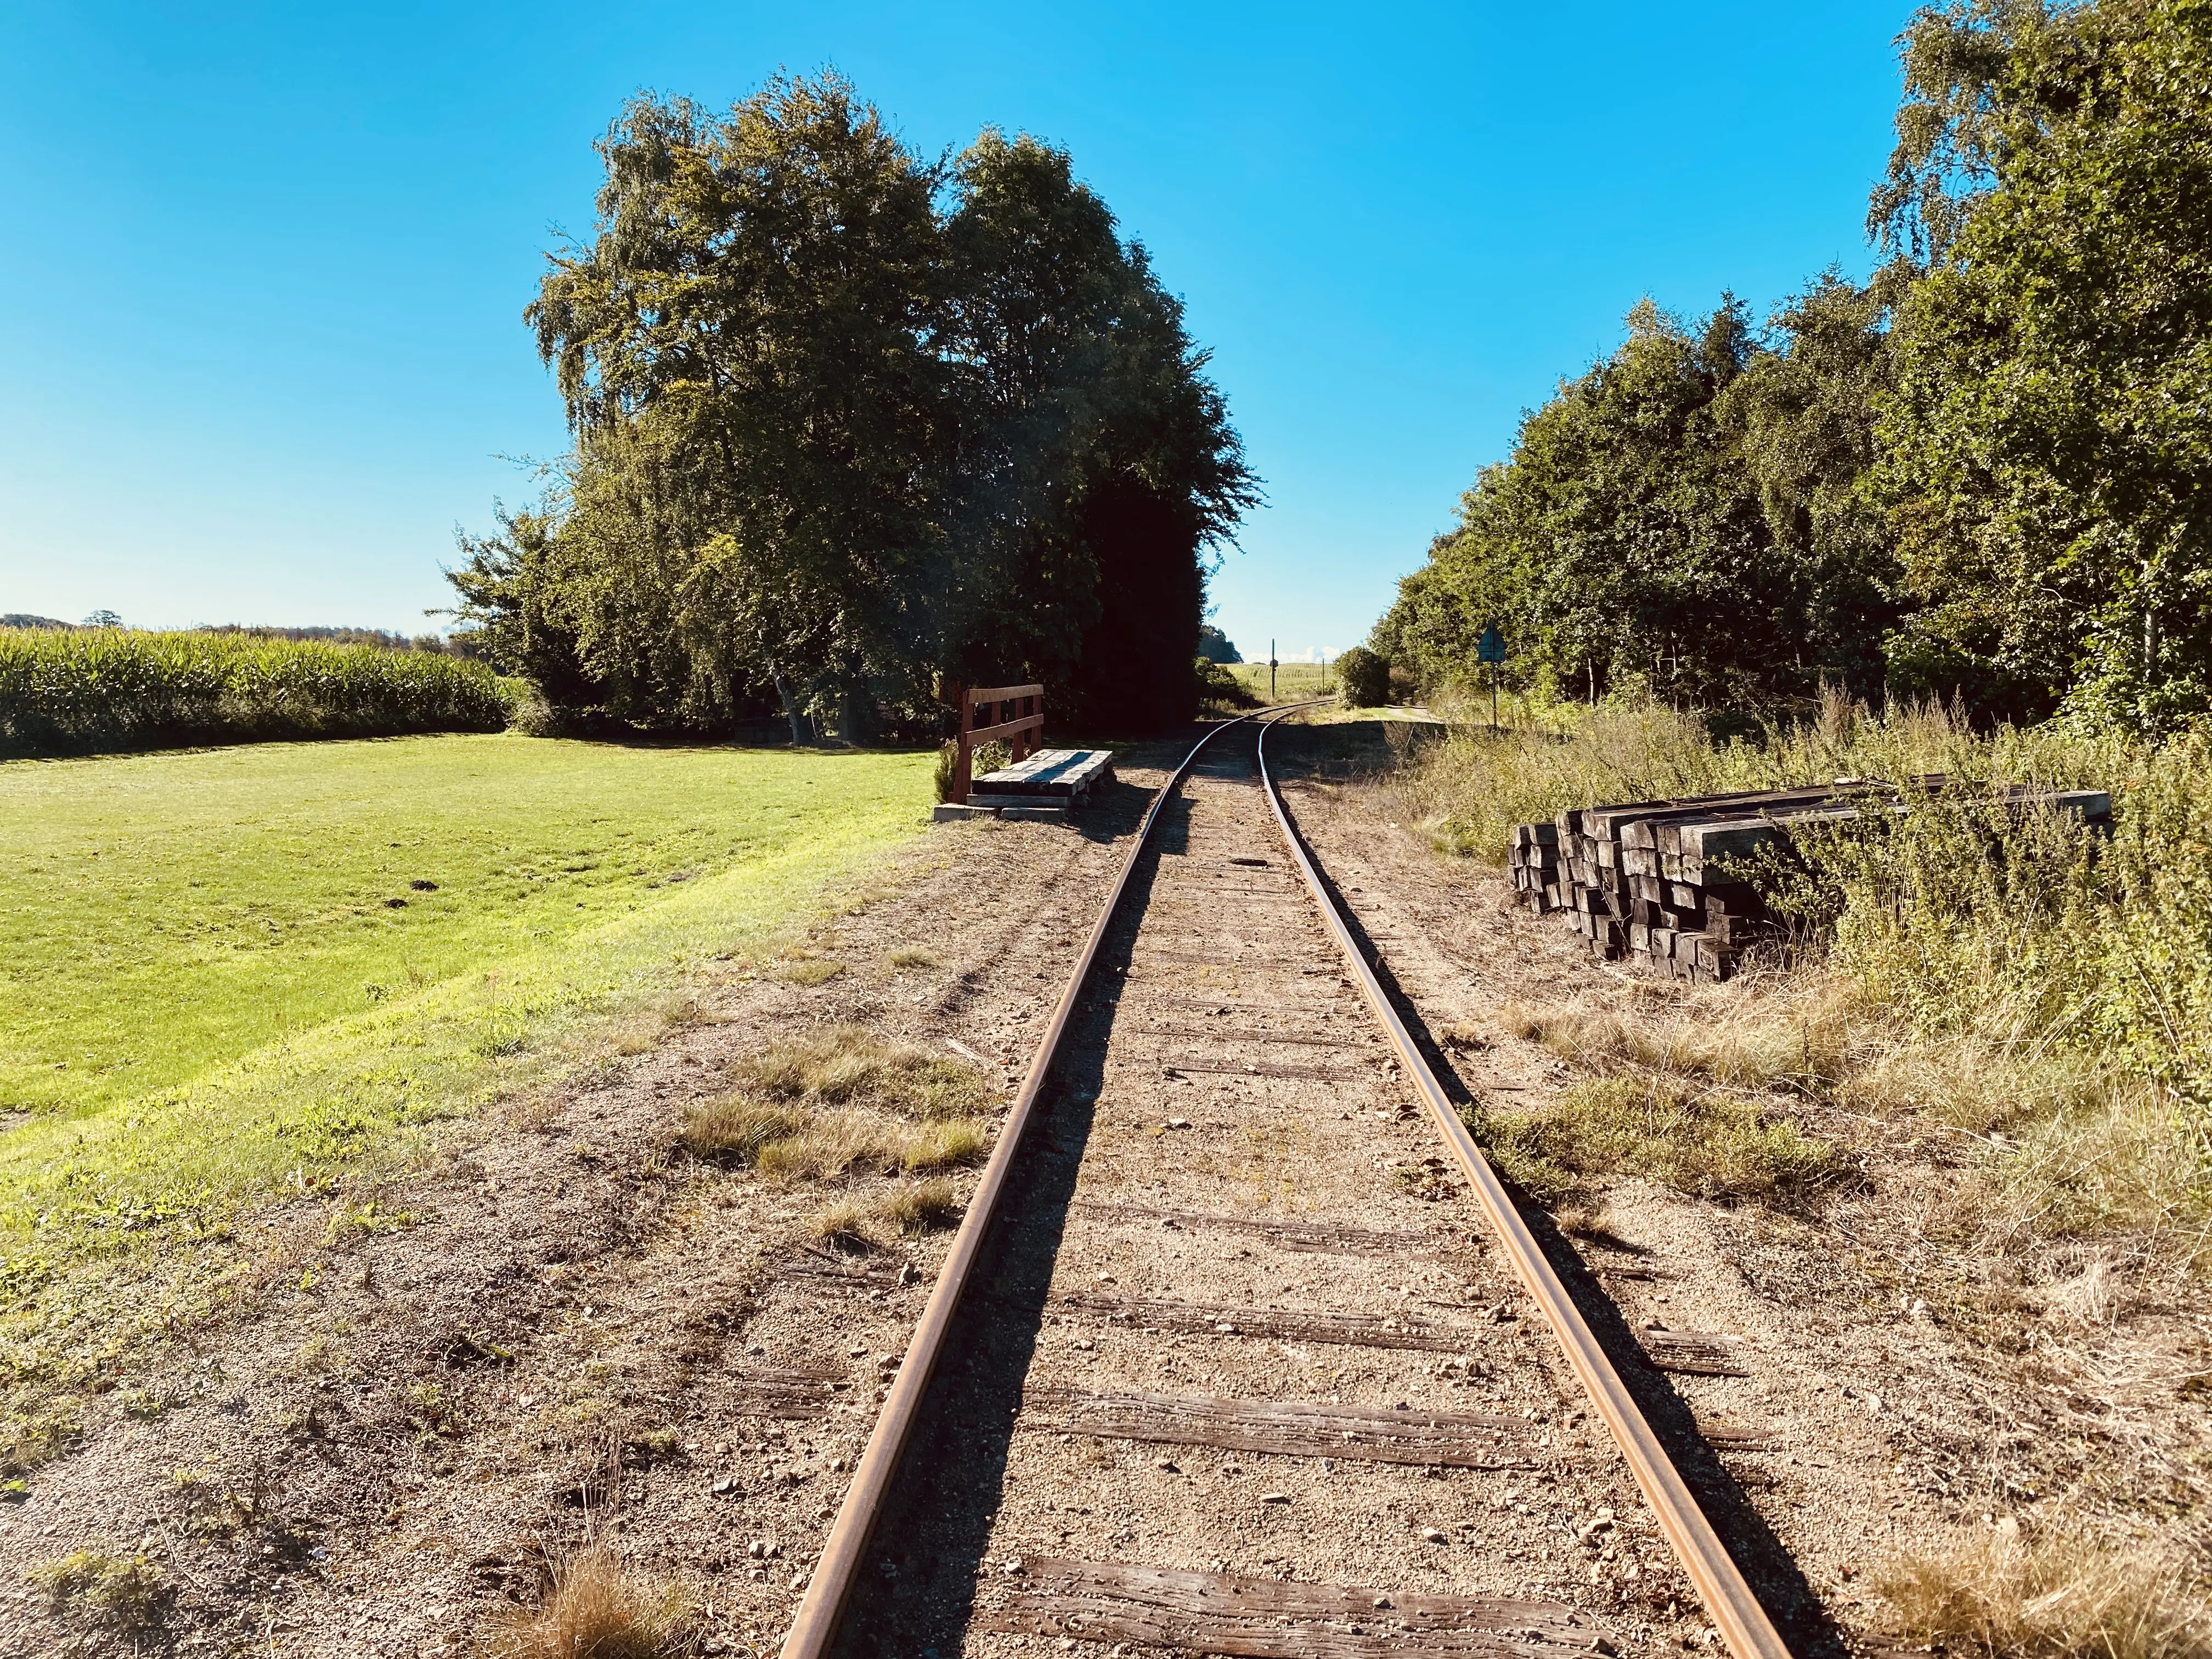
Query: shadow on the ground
917, 1591
1790, 1601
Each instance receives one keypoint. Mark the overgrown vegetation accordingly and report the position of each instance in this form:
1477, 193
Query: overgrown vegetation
1978, 476
79, 690
1710, 1142
1221, 689
2045, 997
1995, 1593
851, 421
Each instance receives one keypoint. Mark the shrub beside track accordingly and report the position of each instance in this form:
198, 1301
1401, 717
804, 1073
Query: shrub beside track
83, 692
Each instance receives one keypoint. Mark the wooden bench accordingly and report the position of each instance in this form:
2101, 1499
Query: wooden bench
1037, 779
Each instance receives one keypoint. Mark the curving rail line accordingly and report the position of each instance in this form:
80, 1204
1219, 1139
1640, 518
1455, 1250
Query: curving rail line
1736, 1612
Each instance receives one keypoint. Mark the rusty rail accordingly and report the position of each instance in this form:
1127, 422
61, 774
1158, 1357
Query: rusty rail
815, 1624
1735, 1610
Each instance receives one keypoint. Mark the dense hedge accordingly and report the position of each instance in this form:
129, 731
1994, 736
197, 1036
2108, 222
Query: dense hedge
107, 688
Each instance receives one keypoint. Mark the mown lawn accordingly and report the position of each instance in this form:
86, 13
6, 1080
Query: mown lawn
221, 966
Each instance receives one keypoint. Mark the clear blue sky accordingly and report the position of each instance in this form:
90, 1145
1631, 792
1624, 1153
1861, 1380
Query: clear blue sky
261, 285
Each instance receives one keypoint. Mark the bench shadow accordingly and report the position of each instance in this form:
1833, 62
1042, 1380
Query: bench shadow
917, 1593
1799, 1613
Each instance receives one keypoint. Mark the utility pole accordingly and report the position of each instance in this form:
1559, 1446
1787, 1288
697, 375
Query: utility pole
1271, 670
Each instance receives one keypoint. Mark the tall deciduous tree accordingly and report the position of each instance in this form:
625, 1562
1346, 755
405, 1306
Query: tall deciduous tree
746, 348
2049, 454
847, 421
1686, 518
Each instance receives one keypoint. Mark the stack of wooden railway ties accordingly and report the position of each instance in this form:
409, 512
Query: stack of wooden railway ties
1674, 881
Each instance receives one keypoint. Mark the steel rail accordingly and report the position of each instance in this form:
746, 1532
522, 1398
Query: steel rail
1735, 1610
815, 1624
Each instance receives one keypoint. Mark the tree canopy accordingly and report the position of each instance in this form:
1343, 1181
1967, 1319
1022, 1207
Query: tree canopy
848, 422
1683, 519
1983, 474
2049, 449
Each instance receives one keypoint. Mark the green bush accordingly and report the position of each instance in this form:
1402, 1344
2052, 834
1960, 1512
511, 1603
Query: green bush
1362, 680
1217, 686
89, 690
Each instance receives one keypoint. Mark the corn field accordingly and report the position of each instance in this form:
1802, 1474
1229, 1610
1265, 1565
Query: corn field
86, 691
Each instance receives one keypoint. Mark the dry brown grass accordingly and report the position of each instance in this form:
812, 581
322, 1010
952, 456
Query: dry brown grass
1747, 1036
831, 1145
1713, 1142
828, 1146
2044, 1145
849, 1066
598, 1609
921, 1206
848, 1223
945, 1146
912, 956
1999, 1595
737, 1127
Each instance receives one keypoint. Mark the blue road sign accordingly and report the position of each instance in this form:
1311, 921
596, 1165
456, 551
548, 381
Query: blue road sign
1490, 647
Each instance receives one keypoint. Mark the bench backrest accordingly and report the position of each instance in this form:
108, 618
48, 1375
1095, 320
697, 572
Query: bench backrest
1014, 713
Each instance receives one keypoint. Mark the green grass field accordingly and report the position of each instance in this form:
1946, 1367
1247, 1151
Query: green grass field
1294, 681
219, 968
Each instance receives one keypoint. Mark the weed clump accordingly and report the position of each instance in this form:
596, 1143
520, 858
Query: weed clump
736, 1126
842, 1103
921, 1206
1706, 1142
926, 1206
122, 1593
846, 1065
830, 1146
598, 1609
1999, 1595
945, 1146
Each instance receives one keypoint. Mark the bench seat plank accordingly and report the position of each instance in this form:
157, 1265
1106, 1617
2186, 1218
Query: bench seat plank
1050, 775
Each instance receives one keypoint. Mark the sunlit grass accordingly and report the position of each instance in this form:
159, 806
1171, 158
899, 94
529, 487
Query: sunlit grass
205, 987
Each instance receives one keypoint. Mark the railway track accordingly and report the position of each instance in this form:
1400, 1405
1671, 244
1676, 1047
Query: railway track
1240, 1348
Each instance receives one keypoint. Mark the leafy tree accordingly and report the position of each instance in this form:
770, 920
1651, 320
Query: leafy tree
848, 422
1362, 680
1804, 412
1098, 460
2049, 449
745, 349
1686, 518
1215, 646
